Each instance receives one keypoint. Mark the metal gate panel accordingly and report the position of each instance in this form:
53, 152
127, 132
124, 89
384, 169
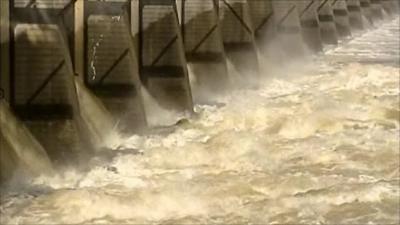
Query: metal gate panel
162, 60
235, 16
38, 55
41, 4
112, 71
391, 7
204, 48
262, 18
310, 30
107, 58
327, 23
377, 9
367, 11
238, 39
200, 27
40, 58
286, 16
341, 15
161, 31
355, 16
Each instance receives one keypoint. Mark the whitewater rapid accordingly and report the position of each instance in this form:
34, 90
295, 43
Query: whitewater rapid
316, 145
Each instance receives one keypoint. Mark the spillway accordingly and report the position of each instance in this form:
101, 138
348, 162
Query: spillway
191, 112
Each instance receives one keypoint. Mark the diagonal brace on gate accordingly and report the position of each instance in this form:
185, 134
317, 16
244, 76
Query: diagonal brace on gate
286, 15
164, 50
246, 27
46, 82
114, 65
265, 21
205, 38
322, 5
31, 3
307, 8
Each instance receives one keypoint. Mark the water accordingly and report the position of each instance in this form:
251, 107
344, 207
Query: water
319, 145
99, 121
19, 150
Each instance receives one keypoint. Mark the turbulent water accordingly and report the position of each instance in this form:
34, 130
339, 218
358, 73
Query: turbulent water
319, 145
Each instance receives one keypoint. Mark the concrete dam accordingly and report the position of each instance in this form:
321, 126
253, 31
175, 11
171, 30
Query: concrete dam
199, 111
